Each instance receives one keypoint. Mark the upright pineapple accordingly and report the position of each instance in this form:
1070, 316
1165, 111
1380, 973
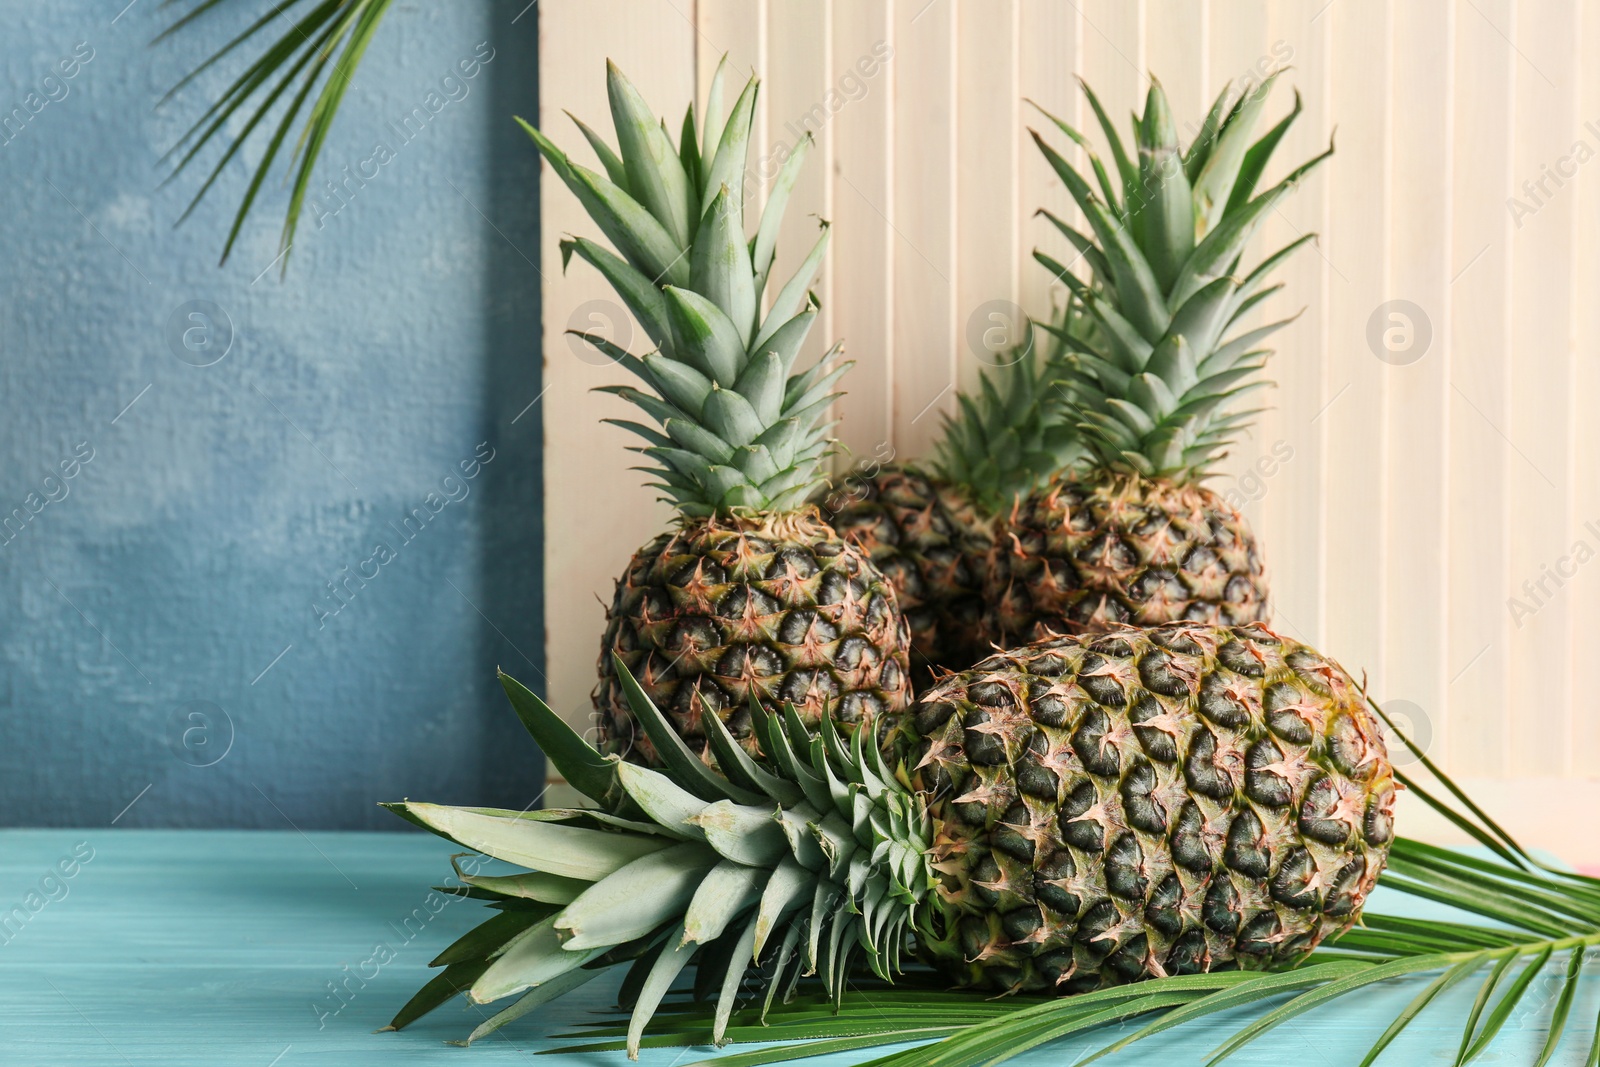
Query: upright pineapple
1133, 536
1082, 812
752, 594
930, 528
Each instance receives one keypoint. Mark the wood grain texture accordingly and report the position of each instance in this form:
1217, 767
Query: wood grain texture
1585, 588
1479, 652
926, 317
198, 948
1541, 422
862, 175
1355, 479
1415, 543
1289, 473
597, 512
1402, 505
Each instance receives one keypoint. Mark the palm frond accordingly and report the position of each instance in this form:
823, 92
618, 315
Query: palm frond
317, 53
1536, 922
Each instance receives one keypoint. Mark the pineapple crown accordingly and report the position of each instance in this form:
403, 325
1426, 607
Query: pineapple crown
735, 427
1014, 434
1154, 378
799, 865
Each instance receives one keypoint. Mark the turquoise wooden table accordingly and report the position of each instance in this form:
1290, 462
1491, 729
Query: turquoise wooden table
224, 948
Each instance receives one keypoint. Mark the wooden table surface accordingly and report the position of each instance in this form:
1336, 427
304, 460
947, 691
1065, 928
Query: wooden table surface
218, 948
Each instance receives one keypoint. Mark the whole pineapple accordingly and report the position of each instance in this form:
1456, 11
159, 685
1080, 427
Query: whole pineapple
1081, 812
1146, 802
753, 594
930, 528
1132, 536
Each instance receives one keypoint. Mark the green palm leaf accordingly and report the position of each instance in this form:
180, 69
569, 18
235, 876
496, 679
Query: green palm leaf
322, 44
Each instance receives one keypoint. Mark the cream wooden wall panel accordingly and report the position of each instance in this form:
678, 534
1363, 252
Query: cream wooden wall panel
1540, 427
1050, 34
1416, 545
1178, 53
1415, 498
1584, 590
1237, 51
863, 235
596, 512
1113, 63
736, 29
1474, 738
803, 94
1359, 209
927, 321
988, 215
1288, 477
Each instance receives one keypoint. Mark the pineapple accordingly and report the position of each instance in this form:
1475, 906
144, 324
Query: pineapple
930, 529
1132, 536
752, 594
1146, 802
1081, 812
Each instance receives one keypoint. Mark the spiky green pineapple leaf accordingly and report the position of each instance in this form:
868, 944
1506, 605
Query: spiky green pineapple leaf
1162, 266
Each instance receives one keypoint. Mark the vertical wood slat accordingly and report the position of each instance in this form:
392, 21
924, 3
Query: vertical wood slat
925, 195
1178, 53
987, 213
1416, 547
590, 535
1287, 478
1048, 57
801, 97
1354, 489
1477, 657
1540, 424
1415, 503
1238, 52
1585, 590
736, 29
864, 241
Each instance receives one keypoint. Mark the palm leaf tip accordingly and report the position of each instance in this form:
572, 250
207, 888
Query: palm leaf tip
318, 54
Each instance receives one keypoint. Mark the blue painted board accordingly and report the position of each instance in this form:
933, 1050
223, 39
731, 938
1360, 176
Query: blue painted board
218, 948
200, 463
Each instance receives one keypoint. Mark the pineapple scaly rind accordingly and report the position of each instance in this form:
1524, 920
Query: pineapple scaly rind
928, 527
